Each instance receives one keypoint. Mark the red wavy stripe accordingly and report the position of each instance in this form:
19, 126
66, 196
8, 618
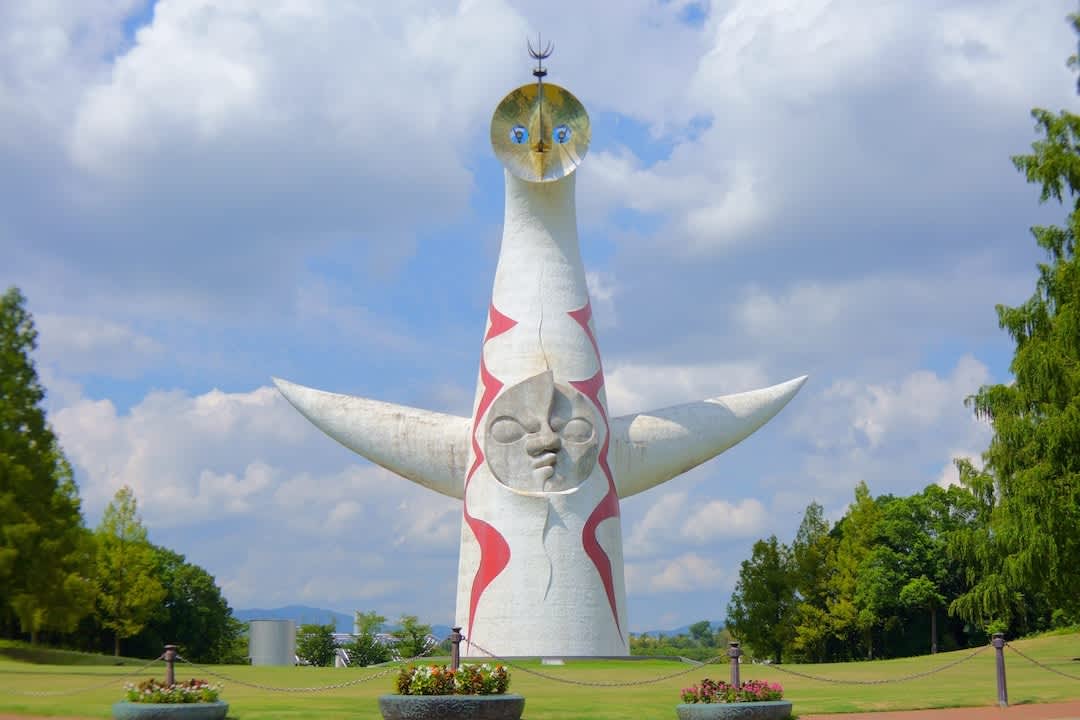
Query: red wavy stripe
494, 550
608, 506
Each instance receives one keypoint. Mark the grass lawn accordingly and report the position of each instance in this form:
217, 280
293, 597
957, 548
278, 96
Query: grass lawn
968, 684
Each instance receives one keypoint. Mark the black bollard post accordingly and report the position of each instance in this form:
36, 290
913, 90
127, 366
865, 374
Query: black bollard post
999, 648
170, 672
734, 652
455, 648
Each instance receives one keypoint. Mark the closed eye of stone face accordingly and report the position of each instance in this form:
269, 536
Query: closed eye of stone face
578, 430
507, 430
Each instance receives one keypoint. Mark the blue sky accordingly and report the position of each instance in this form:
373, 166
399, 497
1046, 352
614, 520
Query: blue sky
195, 196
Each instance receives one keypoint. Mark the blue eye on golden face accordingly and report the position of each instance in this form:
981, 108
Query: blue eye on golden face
519, 135
561, 134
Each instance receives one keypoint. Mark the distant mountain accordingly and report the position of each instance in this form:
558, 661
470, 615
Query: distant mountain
301, 615
304, 615
684, 630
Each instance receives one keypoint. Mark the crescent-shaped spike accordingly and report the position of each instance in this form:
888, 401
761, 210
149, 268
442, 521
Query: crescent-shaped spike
429, 448
650, 448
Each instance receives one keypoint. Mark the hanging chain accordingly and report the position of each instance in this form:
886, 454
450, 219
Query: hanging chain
905, 678
1042, 665
58, 693
320, 688
596, 683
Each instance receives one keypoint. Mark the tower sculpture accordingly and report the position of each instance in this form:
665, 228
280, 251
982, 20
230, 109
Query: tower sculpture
540, 467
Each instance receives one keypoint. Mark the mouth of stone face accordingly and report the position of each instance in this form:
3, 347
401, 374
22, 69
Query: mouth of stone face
547, 459
543, 474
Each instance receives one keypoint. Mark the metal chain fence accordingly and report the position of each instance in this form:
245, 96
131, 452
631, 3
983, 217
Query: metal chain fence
321, 688
588, 683
695, 666
884, 681
88, 688
1042, 665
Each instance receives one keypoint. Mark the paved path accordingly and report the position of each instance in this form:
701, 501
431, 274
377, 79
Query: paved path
1051, 711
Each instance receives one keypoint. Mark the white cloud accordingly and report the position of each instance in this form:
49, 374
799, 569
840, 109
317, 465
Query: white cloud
720, 519
676, 520
887, 432
295, 517
76, 344
633, 387
685, 573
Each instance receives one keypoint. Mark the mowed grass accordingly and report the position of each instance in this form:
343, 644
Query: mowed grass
971, 683
50, 656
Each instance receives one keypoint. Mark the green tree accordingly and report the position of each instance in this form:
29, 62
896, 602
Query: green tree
365, 648
922, 594
129, 593
701, 632
849, 617
1032, 475
412, 637
762, 606
315, 643
193, 614
46, 554
813, 553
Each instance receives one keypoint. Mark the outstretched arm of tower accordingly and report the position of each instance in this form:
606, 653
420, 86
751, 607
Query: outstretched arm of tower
649, 448
429, 448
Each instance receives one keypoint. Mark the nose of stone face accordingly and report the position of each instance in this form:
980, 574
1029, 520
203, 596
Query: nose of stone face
546, 440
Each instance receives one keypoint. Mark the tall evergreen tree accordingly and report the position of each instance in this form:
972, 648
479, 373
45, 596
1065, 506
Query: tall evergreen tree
1032, 475
129, 592
814, 556
762, 606
45, 550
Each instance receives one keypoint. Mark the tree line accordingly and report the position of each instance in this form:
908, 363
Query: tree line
941, 569
106, 589
369, 644
701, 642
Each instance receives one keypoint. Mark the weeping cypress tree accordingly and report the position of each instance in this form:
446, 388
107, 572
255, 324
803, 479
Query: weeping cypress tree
1026, 556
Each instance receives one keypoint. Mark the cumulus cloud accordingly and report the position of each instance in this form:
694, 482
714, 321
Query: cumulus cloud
888, 432
675, 519
633, 387
248, 464
686, 573
241, 189
76, 344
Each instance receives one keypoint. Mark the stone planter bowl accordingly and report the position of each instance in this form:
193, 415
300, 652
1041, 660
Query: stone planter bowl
451, 707
765, 710
170, 711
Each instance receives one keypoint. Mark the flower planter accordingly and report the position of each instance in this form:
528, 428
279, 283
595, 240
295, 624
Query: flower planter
451, 707
764, 710
170, 711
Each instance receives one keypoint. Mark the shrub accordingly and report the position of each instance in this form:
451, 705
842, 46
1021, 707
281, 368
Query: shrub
315, 643
711, 691
441, 680
152, 691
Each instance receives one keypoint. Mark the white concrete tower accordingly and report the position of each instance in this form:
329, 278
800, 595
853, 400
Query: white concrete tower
540, 465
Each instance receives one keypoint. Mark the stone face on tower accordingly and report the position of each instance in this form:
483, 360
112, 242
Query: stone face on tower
540, 466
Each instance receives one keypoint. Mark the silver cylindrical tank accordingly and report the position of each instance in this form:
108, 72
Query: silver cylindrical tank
272, 642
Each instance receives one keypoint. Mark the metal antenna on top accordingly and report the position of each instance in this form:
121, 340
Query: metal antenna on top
539, 55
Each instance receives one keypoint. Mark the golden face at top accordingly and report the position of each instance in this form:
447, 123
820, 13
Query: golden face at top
540, 132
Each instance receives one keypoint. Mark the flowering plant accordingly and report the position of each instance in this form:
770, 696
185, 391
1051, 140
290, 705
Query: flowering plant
711, 691
440, 680
192, 691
